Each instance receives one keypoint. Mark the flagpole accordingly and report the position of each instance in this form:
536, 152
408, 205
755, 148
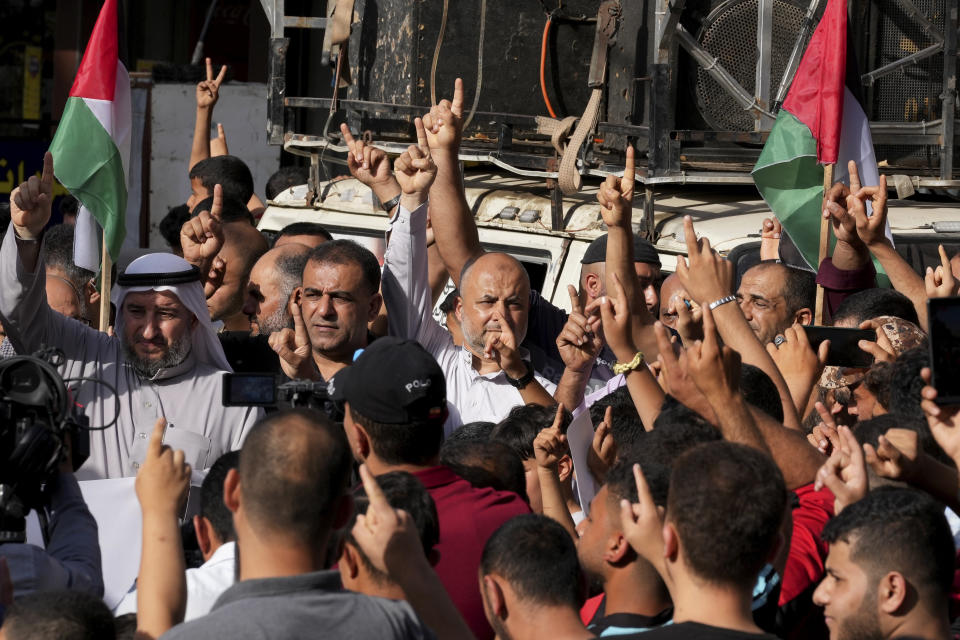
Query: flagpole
824, 242
106, 267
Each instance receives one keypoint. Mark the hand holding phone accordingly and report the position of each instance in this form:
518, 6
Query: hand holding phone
944, 321
845, 348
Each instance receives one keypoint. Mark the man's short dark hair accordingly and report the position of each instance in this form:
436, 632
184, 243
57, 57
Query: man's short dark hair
349, 253
536, 556
305, 229
906, 383
284, 178
293, 469
621, 484
486, 464
799, 289
233, 210
677, 429
873, 303
230, 172
290, 270
521, 426
449, 303
877, 382
627, 428
404, 443
69, 206
68, 614
760, 391
903, 530
472, 432
402, 491
58, 244
172, 223
211, 497
727, 502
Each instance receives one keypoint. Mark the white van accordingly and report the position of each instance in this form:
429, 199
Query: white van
513, 215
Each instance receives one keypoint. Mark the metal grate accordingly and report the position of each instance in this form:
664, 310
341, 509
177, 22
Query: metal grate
913, 93
730, 33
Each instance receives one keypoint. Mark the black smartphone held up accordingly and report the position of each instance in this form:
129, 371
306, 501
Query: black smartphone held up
845, 350
943, 315
249, 389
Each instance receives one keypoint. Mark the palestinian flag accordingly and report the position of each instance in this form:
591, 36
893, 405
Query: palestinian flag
821, 122
91, 148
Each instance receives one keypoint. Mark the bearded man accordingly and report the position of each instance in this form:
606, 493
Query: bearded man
164, 361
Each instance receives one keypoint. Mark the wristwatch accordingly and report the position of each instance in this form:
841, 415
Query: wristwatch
522, 381
391, 203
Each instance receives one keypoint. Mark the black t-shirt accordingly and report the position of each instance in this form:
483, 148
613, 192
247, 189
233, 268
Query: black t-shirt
695, 631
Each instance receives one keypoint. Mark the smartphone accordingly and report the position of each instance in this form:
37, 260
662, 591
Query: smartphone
845, 350
249, 389
943, 317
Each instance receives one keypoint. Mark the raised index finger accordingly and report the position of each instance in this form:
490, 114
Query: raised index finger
626, 183
223, 72
854, 176
217, 208
574, 299
378, 501
558, 418
209, 69
690, 237
421, 134
46, 177
456, 106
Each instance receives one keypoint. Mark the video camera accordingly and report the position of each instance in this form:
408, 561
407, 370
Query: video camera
262, 390
37, 417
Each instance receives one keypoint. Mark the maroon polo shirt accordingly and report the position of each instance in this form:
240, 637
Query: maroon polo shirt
468, 517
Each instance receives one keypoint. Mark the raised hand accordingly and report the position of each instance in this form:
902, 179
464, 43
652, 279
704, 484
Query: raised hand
208, 91
676, 378
944, 420
415, 169
603, 450
580, 341
502, 347
616, 317
941, 283
214, 277
838, 208
616, 196
800, 365
31, 201
550, 445
642, 523
882, 349
164, 476
872, 229
218, 145
444, 123
293, 345
770, 232
714, 369
367, 164
201, 237
708, 277
896, 455
845, 473
824, 436
388, 537
689, 319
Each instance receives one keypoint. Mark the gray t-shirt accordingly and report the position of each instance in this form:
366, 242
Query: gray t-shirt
310, 605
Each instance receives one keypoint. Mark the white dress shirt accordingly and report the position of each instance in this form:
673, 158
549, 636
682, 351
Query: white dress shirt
204, 584
406, 292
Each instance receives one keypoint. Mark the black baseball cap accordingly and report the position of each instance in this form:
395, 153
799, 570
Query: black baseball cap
393, 381
643, 251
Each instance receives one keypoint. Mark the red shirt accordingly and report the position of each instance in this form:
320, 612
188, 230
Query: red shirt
468, 517
808, 552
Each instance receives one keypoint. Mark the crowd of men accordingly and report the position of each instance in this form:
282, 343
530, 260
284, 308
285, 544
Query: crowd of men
745, 489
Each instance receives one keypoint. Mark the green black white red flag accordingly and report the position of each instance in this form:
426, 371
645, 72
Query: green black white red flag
821, 122
91, 148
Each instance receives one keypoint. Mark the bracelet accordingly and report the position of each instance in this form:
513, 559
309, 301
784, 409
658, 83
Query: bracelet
522, 381
623, 367
724, 300
29, 240
392, 202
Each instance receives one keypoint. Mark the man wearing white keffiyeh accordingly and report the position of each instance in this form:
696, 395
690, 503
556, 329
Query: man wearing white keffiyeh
165, 360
